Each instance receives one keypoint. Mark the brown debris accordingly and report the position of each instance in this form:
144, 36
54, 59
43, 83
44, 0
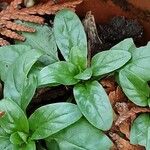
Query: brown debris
117, 96
3, 42
8, 33
121, 107
114, 92
3, 5
125, 128
125, 112
19, 27
131, 114
92, 34
2, 114
122, 144
14, 11
109, 84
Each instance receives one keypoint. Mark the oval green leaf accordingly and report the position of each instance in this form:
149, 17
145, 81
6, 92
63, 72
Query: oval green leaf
80, 136
93, 102
18, 138
135, 88
140, 131
139, 63
17, 82
78, 58
69, 32
58, 73
4, 140
125, 45
8, 55
14, 118
52, 118
108, 61
85, 75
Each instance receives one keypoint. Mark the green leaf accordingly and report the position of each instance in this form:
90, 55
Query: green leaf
52, 118
18, 84
52, 145
4, 140
140, 131
58, 73
139, 63
29, 146
81, 136
93, 102
3, 134
28, 91
14, 119
8, 55
108, 61
135, 88
18, 138
78, 57
43, 39
85, 75
69, 32
125, 45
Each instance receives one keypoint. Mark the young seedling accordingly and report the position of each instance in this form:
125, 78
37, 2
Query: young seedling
133, 76
60, 124
90, 96
140, 131
17, 132
47, 122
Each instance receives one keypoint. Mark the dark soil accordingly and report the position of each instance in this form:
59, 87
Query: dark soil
45, 96
117, 30
127, 6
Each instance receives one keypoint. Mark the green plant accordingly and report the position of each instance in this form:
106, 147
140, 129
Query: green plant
140, 131
19, 67
78, 136
135, 72
24, 68
19, 132
133, 79
90, 97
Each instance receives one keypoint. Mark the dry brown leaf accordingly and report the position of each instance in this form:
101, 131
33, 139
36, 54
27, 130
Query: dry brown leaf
131, 113
3, 42
8, 33
109, 84
127, 112
125, 128
122, 107
117, 96
123, 144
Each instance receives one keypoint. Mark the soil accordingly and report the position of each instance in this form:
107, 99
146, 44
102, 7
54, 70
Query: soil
126, 5
117, 30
